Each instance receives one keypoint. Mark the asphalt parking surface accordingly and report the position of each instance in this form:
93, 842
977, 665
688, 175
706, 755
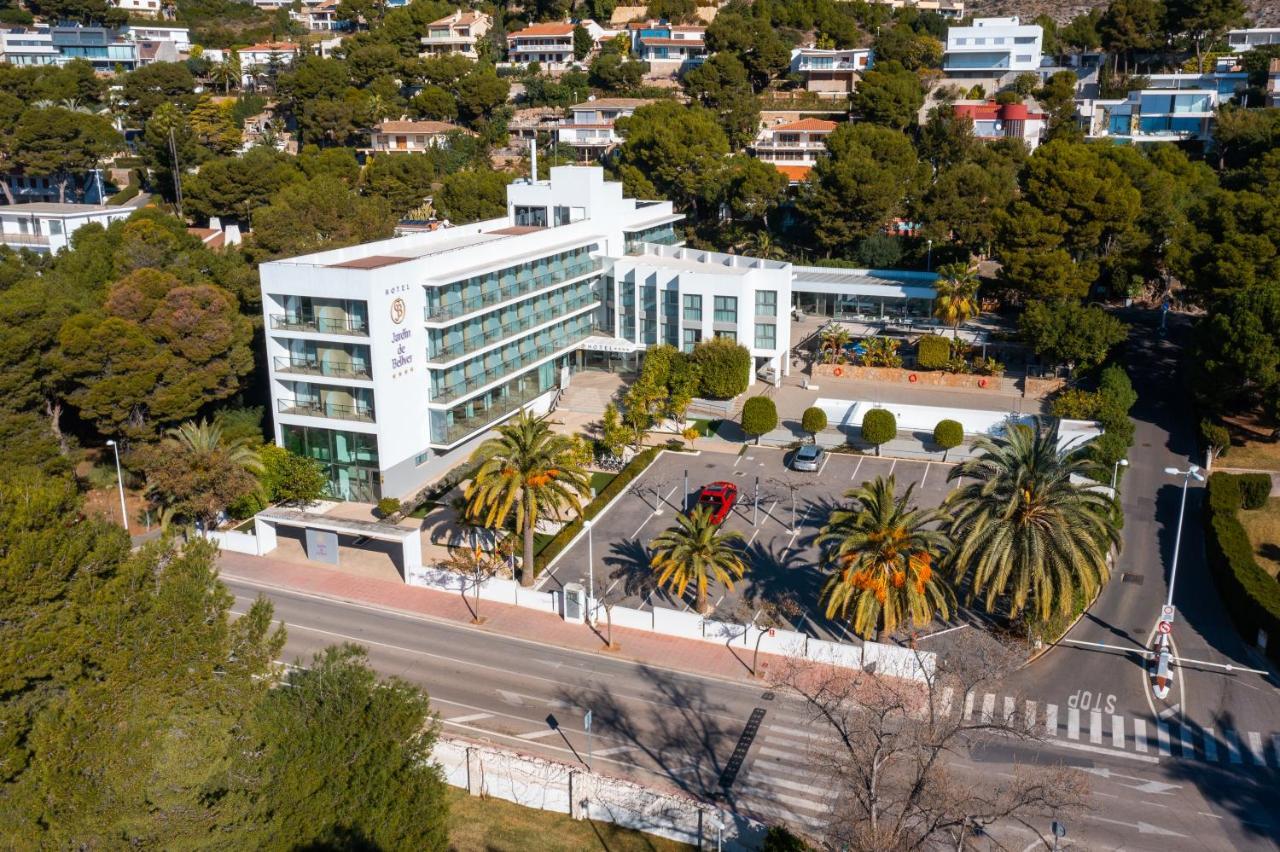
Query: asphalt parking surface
782, 559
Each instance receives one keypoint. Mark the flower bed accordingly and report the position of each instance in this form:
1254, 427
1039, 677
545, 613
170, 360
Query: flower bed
901, 375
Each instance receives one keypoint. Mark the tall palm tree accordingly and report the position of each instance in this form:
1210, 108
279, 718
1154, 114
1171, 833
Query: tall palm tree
761, 244
529, 470
956, 299
204, 437
833, 338
882, 552
1022, 529
697, 551
196, 474
226, 74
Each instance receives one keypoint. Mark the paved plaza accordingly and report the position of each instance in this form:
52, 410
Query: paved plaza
781, 549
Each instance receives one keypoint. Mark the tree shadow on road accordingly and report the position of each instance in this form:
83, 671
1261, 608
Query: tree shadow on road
688, 736
628, 562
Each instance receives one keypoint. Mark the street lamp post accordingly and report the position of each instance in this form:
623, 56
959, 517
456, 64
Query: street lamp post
124, 511
591, 569
1115, 473
1192, 472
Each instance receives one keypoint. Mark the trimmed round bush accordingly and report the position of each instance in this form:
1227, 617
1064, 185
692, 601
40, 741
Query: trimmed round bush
388, 506
724, 368
879, 426
759, 415
948, 434
814, 420
933, 352
1255, 489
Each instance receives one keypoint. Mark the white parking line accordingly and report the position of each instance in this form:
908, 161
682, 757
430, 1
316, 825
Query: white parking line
892, 466
948, 695
537, 735
1051, 720
926, 474
968, 705
1162, 737
1008, 710
1073, 723
988, 708
618, 750
856, 468
826, 457
1117, 731
1029, 717
472, 717
1255, 749
1095, 727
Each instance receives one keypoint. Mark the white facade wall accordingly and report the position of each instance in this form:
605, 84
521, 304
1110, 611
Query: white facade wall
993, 47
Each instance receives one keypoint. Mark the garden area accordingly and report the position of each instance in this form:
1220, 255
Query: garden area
1241, 526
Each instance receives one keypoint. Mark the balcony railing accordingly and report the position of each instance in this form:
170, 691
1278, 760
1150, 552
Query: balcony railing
470, 343
448, 393
324, 325
24, 239
461, 428
316, 367
333, 410
521, 287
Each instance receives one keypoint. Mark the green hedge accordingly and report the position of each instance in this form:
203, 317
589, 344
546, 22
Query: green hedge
129, 193
1251, 595
570, 530
1255, 490
933, 352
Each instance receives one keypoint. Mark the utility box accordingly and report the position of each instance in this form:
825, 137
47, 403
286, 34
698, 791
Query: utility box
575, 602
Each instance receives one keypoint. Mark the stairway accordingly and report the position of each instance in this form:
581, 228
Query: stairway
586, 397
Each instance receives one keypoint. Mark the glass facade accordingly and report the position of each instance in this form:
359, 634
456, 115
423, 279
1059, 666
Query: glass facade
333, 401
766, 303
865, 307
671, 317
627, 316
448, 344
728, 335
350, 459
692, 308
692, 337
661, 234
473, 374
649, 314
482, 291
726, 308
328, 316
339, 360
448, 427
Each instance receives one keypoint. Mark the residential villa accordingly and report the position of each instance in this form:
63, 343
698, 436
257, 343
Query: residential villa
992, 47
668, 44
833, 73
320, 17
953, 9
46, 227
28, 46
993, 121
1170, 108
266, 60
139, 8
550, 45
1247, 39
794, 147
1273, 84
457, 33
179, 37
390, 361
407, 137
101, 47
589, 128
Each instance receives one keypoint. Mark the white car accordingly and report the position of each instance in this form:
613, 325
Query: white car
808, 457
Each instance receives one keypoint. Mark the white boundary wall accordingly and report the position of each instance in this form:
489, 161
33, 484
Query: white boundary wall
549, 785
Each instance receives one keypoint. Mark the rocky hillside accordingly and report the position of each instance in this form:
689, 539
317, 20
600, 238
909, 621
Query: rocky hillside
1264, 13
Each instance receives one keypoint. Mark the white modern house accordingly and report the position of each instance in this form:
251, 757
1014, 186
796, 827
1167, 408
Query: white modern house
589, 127
993, 47
1171, 107
266, 59
667, 45
28, 46
456, 33
46, 227
390, 361
547, 44
946, 8
830, 72
1248, 39
179, 37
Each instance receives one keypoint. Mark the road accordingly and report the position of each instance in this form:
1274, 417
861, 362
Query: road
679, 731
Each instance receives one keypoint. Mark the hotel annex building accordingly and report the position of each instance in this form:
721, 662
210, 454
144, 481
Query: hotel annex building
390, 361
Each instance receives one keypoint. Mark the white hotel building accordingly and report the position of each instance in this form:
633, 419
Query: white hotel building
390, 361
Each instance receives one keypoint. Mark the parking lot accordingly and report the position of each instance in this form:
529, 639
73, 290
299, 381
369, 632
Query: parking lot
782, 555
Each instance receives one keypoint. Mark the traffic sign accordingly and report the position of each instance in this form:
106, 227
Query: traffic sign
1059, 829
773, 632
1165, 627
1166, 613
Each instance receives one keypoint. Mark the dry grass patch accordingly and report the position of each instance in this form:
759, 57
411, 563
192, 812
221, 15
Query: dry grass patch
1263, 527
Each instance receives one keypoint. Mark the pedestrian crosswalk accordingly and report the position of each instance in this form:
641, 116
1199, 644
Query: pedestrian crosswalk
782, 779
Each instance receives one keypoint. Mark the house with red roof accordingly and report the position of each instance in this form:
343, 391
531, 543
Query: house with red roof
993, 120
547, 44
456, 33
794, 146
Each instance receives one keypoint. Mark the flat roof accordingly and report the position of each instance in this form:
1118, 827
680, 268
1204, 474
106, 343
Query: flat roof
903, 283
54, 208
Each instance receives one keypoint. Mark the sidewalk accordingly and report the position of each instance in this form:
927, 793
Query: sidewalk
692, 656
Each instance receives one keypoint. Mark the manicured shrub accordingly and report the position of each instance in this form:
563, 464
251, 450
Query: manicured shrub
933, 352
759, 415
1255, 489
724, 368
388, 506
615, 487
1216, 437
948, 434
879, 426
1251, 595
1075, 404
814, 420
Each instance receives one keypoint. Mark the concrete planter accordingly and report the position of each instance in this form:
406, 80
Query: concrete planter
923, 378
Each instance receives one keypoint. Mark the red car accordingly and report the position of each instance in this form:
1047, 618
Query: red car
718, 498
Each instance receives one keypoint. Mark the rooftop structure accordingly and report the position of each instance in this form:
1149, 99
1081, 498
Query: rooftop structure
456, 33
46, 227
993, 121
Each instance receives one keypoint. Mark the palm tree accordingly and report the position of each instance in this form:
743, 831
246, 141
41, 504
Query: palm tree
195, 474
696, 551
226, 74
205, 436
761, 244
527, 469
956, 299
833, 339
882, 551
1023, 529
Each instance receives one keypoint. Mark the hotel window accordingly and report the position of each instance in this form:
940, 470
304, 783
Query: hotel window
766, 335
693, 308
692, 337
766, 303
726, 309
728, 335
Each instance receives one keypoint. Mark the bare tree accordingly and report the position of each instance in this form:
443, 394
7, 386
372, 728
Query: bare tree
475, 566
894, 752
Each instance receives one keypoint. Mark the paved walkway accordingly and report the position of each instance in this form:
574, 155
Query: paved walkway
709, 659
